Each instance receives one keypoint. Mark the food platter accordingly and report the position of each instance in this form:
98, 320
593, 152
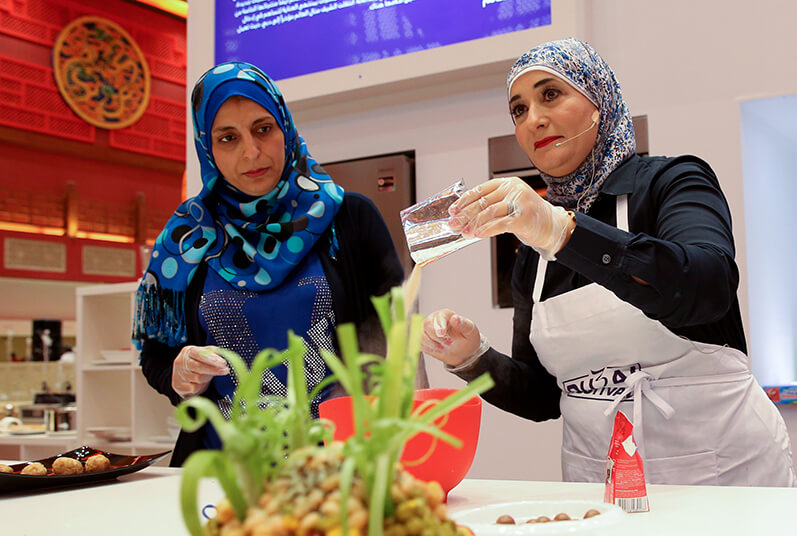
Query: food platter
121, 464
482, 520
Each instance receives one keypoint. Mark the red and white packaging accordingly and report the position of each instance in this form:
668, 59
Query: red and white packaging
625, 476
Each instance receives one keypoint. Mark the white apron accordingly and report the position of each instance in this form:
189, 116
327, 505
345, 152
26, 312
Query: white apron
699, 415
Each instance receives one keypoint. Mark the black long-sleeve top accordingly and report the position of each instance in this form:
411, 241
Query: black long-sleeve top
366, 264
680, 243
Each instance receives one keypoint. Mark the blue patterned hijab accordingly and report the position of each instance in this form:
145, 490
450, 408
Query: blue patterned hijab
580, 66
252, 242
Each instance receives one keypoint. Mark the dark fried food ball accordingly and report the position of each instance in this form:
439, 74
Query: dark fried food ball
505, 520
34, 468
97, 463
561, 517
5, 468
543, 519
591, 513
67, 466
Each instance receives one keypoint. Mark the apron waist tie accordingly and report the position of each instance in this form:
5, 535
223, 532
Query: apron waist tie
640, 383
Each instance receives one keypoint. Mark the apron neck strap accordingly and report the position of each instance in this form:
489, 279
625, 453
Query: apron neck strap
622, 212
542, 265
539, 280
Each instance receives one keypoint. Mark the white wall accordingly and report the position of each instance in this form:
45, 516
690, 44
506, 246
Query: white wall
685, 64
769, 139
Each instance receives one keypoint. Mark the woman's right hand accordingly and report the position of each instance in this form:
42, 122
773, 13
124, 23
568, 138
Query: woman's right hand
449, 337
194, 368
509, 205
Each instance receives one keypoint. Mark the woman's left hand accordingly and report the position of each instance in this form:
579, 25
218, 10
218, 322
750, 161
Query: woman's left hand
449, 337
509, 205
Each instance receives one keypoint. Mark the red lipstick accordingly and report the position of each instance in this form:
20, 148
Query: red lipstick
545, 141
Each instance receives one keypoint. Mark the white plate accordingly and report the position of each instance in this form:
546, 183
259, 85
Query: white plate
111, 433
105, 363
24, 431
117, 356
166, 439
481, 520
62, 433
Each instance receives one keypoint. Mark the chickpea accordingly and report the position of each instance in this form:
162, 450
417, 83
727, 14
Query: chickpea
224, 511
434, 493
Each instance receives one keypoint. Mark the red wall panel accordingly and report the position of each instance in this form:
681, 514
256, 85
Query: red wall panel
34, 181
28, 29
74, 263
27, 170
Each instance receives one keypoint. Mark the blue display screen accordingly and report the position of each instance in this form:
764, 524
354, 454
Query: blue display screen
288, 38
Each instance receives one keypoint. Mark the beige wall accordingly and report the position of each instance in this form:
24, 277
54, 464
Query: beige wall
685, 64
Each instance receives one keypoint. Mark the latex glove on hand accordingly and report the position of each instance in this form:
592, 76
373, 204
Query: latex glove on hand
509, 205
194, 368
451, 338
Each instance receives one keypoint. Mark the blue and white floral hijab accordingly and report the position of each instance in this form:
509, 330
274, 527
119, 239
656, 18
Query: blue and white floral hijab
580, 66
251, 242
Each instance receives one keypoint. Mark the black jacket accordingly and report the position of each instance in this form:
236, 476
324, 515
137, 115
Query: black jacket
366, 265
680, 242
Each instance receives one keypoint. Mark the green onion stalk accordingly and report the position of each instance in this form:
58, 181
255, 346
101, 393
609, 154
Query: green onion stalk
264, 430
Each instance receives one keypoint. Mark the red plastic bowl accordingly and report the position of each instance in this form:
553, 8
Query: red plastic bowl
424, 456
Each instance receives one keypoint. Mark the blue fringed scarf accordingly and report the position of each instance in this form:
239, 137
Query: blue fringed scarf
252, 242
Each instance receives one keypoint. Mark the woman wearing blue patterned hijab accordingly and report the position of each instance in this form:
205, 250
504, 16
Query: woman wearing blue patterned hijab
270, 245
252, 242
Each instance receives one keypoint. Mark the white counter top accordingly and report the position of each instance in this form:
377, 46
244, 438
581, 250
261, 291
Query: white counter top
60, 438
147, 502
681, 510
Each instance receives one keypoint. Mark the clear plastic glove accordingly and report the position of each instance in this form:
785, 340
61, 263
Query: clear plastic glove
510, 205
449, 337
194, 368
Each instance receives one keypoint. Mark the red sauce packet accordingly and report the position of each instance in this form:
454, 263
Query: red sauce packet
625, 476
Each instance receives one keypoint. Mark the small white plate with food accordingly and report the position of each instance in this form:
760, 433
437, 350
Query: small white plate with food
541, 517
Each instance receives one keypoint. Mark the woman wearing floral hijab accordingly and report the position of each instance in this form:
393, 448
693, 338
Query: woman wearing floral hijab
270, 244
624, 293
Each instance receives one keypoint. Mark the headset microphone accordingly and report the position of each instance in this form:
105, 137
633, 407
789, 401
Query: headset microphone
595, 116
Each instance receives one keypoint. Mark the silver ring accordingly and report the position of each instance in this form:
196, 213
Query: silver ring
511, 208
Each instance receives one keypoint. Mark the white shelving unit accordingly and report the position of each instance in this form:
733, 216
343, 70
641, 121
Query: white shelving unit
35, 447
115, 393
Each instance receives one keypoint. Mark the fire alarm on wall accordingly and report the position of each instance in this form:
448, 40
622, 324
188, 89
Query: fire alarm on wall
386, 184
